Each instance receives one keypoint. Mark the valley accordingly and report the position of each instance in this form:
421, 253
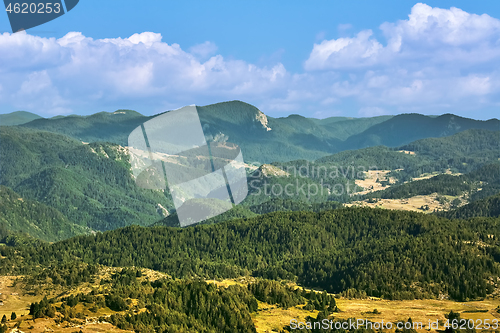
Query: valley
381, 218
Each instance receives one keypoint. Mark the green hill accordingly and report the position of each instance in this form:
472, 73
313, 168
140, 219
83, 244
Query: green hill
245, 212
379, 157
284, 205
265, 139
406, 128
463, 152
477, 183
103, 126
441, 184
17, 118
488, 207
236, 212
18, 215
389, 254
90, 184
344, 127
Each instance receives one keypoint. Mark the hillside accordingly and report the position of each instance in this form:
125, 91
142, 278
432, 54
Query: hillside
405, 128
103, 126
488, 207
287, 205
90, 184
462, 152
442, 184
236, 212
19, 215
244, 211
435, 192
389, 254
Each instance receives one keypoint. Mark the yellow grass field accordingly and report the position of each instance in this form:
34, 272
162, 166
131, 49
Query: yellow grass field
14, 298
370, 183
269, 317
411, 204
48, 325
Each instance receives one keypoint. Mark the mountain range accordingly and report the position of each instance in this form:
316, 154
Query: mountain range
76, 169
265, 139
394, 207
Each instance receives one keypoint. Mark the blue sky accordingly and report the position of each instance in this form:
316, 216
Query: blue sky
318, 59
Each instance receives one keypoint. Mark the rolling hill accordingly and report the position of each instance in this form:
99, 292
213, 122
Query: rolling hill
488, 207
92, 186
405, 128
17, 118
103, 126
382, 253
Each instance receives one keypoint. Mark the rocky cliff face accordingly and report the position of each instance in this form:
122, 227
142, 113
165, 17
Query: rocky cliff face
262, 119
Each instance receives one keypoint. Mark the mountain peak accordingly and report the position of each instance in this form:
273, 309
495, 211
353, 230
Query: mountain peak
17, 118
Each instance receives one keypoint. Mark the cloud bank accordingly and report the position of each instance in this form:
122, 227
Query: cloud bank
436, 61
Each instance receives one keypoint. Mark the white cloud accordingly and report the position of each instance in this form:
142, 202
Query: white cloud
76, 70
204, 49
430, 35
438, 28
438, 60
359, 51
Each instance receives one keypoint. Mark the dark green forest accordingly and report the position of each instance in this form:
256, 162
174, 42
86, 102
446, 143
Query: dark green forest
90, 184
34, 218
389, 254
83, 197
489, 207
177, 305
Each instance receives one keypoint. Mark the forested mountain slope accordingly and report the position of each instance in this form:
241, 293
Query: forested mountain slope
90, 184
489, 207
463, 152
390, 254
19, 215
103, 126
486, 178
405, 128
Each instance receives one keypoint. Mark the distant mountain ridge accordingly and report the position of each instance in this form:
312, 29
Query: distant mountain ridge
17, 118
102, 126
405, 128
92, 185
266, 139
